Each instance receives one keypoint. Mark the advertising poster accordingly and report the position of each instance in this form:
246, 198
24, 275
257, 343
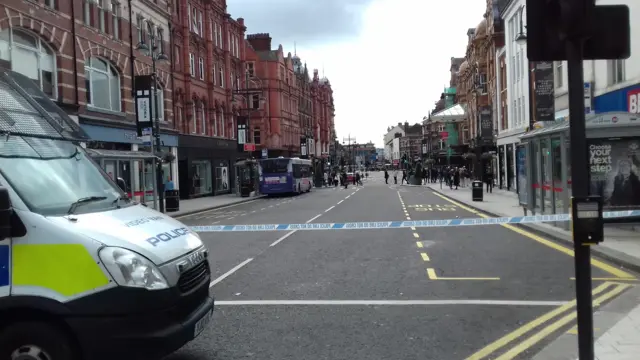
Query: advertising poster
521, 171
614, 166
222, 179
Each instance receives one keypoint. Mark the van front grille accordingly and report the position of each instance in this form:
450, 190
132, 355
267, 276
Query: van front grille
193, 277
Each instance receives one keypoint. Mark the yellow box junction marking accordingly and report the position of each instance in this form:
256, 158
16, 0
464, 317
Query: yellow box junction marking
618, 273
419, 244
415, 235
425, 257
433, 276
503, 341
428, 207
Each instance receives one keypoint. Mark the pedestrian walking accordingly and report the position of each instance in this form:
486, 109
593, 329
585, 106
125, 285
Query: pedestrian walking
386, 176
489, 181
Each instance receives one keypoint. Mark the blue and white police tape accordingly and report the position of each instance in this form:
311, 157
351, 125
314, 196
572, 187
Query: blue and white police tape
405, 224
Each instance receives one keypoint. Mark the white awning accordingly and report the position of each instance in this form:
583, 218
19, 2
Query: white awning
453, 113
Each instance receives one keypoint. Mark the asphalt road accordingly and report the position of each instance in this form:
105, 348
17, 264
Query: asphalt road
430, 293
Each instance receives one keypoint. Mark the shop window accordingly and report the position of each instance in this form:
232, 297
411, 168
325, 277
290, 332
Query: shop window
27, 54
201, 177
103, 84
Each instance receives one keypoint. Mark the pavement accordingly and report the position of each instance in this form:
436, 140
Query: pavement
467, 292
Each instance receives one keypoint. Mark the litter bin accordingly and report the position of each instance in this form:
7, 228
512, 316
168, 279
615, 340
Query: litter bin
172, 200
476, 190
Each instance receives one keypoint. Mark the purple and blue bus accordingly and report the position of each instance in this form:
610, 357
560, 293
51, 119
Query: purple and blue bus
285, 175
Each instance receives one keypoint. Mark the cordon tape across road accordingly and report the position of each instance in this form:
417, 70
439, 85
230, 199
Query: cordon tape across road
406, 224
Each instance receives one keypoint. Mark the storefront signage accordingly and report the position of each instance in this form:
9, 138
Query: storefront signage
633, 101
623, 100
544, 94
614, 166
144, 114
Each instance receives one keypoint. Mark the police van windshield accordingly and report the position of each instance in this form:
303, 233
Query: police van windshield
50, 175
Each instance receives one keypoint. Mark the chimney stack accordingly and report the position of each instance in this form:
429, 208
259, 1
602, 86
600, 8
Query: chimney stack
260, 42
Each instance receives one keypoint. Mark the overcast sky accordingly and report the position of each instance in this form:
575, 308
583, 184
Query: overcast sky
387, 60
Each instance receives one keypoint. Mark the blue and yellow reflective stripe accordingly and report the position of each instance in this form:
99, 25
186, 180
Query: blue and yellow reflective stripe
4, 265
68, 269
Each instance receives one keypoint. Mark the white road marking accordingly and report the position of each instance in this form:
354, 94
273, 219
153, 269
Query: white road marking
313, 218
329, 209
231, 218
228, 273
262, 209
393, 302
340, 202
348, 197
282, 238
294, 231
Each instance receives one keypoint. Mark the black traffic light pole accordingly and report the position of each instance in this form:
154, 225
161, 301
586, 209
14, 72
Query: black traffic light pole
575, 30
580, 188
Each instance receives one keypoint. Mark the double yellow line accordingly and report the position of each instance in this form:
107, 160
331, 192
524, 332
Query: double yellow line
618, 274
606, 291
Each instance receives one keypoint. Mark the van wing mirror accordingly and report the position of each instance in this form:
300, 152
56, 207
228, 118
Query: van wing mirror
121, 184
6, 210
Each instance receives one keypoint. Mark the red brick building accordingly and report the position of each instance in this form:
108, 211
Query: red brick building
294, 107
208, 78
83, 55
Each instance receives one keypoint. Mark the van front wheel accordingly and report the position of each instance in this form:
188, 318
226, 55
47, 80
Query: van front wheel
34, 341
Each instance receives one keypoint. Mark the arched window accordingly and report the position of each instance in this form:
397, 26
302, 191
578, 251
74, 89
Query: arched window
25, 53
102, 82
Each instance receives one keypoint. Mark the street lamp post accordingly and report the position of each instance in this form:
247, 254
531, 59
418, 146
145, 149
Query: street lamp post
352, 157
156, 53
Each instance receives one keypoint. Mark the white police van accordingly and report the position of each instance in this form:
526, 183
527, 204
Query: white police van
85, 273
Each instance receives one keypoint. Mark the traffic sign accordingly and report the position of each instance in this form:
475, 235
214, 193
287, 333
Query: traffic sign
249, 147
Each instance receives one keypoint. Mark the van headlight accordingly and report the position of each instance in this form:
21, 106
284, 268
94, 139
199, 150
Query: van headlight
132, 269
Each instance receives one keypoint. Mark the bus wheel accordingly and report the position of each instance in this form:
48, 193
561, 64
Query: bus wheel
34, 341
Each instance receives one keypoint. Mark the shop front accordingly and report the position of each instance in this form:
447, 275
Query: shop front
206, 166
613, 141
624, 100
135, 170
